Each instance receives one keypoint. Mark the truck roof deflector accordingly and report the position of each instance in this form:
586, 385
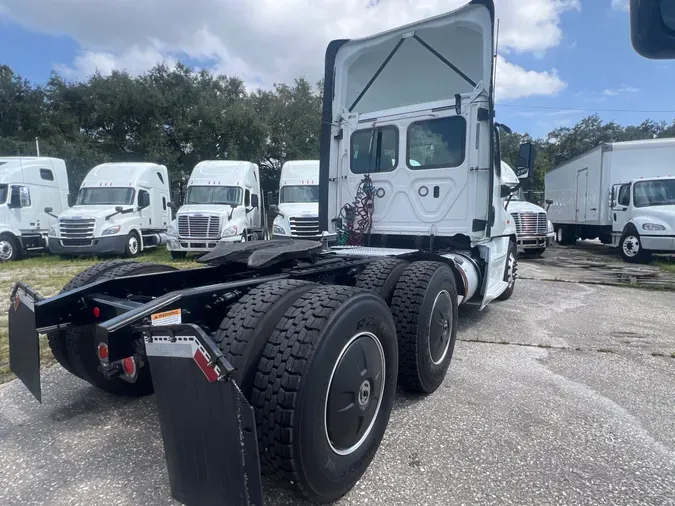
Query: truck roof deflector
391, 55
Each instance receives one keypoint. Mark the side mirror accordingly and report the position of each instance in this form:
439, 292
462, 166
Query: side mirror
119, 209
15, 198
652, 28
171, 206
255, 201
49, 210
526, 159
71, 200
549, 201
274, 208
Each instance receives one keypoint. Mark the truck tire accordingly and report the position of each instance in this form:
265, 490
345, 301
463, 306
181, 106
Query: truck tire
425, 310
81, 344
566, 235
335, 348
178, 255
10, 248
243, 333
534, 252
510, 272
56, 338
630, 247
133, 245
381, 277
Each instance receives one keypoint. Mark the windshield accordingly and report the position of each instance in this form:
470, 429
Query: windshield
105, 196
298, 194
3, 193
227, 195
654, 193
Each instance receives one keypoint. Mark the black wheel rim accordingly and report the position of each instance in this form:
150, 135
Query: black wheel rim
440, 327
354, 393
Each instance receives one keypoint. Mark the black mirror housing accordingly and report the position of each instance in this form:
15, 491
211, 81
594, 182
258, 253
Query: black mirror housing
71, 200
119, 209
255, 201
526, 159
652, 28
549, 201
49, 210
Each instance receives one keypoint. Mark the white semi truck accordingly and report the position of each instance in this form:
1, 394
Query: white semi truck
224, 203
121, 209
284, 357
27, 185
622, 193
533, 228
298, 209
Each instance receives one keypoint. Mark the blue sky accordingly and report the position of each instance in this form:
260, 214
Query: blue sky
577, 52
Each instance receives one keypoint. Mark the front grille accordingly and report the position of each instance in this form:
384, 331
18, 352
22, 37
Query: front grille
530, 223
305, 227
77, 228
199, 227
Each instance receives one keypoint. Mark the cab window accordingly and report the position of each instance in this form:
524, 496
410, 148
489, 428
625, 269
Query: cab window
624, 195
437, 143
374, 150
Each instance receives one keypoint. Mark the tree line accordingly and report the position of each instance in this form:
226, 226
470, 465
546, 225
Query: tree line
178, 116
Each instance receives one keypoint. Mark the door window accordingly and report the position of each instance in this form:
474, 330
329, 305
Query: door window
247, 198
24, 193
624, 195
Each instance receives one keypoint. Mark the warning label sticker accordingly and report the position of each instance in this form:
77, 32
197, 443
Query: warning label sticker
172, 317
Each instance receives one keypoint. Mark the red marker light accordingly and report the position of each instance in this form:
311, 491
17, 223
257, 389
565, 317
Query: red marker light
97, 312
103, 351
129, 366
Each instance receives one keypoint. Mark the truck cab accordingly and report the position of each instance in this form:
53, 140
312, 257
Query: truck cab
27, 185
121, 209
224, 203
298, 209
533, 229
643, 217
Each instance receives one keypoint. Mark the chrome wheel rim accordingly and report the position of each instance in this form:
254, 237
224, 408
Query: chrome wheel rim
510, 268
354, 394
133, 245
6, 250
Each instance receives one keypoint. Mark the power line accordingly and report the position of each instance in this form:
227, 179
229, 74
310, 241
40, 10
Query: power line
578, 109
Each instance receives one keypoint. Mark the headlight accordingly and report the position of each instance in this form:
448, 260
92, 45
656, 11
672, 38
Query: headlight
230, 231
54, 230
653, 226
171, 231
550, 227
277, 230
111, 230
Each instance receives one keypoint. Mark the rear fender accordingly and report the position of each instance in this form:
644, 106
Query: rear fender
495, 254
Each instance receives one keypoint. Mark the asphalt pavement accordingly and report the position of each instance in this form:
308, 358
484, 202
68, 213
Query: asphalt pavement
561, 395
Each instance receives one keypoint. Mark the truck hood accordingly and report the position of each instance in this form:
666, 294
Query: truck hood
90, 212
520, 206
205, 209
463, 38
664, 213
307, 209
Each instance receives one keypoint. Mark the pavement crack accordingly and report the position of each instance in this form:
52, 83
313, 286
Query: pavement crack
542, 346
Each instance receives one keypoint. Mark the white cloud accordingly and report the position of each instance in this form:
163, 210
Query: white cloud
613, 92
620, 5
267, 40
516, 82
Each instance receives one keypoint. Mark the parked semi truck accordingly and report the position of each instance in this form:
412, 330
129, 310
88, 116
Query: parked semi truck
121, 209
298, 209
26, 185
223, 203
283, 356
622, 193
533, 228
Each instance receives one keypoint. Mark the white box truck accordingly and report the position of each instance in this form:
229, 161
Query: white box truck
298, 209
27, 184
223, 202
121, 208
622, 193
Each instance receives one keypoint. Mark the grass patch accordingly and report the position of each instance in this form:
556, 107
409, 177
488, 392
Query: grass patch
48, 274
665, 265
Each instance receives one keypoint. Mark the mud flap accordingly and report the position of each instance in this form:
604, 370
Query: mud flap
24, 344
207, 425
495, 254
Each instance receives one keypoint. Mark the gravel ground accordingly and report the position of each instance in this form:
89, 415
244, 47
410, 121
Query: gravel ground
561, 395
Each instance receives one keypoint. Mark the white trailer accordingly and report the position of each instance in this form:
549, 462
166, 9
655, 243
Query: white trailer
223, 202
298, 209
622, 193
121, 208
27, 184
